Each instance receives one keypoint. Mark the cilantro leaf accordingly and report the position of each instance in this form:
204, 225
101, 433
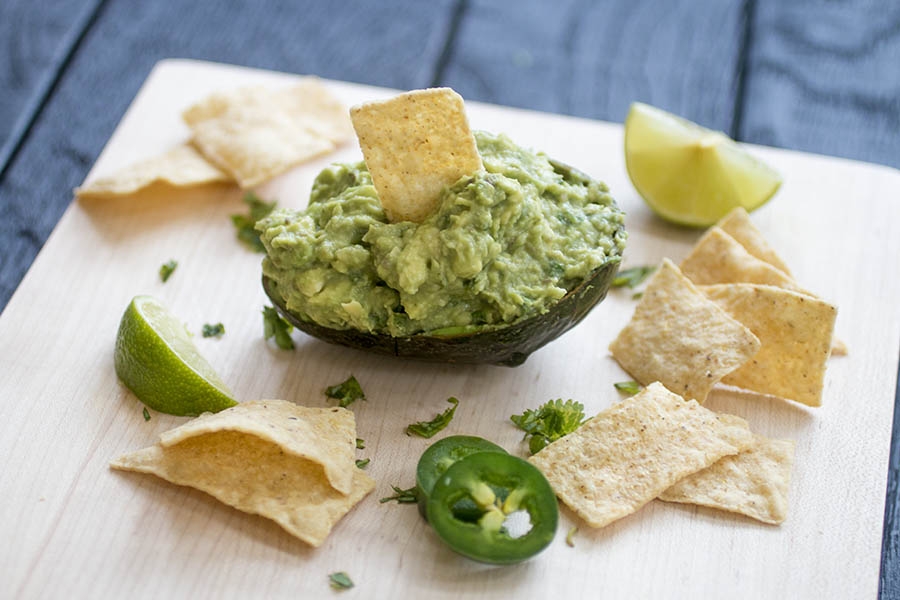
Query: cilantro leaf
360, 444
427, 429
549, 422
275, 326
246, 224
340, 581
346, 392
362, 463
401, 496
146, 414
216, 330
166, 270
632, 277
629, 387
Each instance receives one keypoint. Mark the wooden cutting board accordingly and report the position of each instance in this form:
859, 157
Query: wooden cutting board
73, 527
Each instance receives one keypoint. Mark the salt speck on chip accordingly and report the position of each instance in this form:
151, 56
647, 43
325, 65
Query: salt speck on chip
630, 453
415, 144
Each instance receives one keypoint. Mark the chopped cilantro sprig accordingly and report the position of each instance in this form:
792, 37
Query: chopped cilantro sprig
628, 387
340, 581
275, 326
347, 392
210, 330
427, 429
246, 224
549, 422
166, 270
401, 496
633, 277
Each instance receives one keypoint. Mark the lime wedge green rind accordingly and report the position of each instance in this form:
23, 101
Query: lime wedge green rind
157, 360
688, 174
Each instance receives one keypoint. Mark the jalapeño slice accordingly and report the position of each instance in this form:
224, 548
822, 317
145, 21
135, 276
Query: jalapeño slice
494, 508
438, 457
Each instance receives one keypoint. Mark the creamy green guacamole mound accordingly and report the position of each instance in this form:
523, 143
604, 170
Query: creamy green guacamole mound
506, 243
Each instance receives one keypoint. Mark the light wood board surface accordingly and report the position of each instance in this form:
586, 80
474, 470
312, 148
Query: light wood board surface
73, 527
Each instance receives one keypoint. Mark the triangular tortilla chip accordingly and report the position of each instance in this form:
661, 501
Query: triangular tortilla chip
754, 483
256, 133
631, 452
325, 436
795, 332
719, 258
738, 225
182, 166
680, 338
263, 474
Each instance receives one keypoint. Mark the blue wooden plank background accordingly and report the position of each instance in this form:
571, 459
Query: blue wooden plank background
815, 75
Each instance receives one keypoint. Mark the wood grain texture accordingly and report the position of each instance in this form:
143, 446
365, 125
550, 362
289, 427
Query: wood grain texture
71, 524
592, 59
825, 77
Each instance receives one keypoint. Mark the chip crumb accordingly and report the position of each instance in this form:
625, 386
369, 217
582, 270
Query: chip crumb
839, 348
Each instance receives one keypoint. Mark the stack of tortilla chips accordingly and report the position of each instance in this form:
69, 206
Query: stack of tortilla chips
656, 444
248, 135
292, 464
731, 313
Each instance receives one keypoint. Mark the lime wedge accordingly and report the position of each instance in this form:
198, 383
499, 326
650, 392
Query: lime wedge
156, 359
688, 174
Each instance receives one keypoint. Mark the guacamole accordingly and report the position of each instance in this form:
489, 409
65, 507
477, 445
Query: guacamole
505, 244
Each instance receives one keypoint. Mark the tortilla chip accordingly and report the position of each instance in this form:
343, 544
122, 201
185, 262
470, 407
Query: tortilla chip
181, 166
325, 436
236, 461
795, 331
256, 133
630, 453
738, 225
415, 145
679, 337
719, 258
754, 483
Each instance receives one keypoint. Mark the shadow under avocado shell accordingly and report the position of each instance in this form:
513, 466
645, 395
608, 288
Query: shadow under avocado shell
507, 345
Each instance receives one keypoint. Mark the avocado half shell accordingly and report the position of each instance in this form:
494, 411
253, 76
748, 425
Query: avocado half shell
508, 345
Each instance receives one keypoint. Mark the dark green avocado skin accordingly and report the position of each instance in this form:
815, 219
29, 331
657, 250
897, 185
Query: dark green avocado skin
507, 346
